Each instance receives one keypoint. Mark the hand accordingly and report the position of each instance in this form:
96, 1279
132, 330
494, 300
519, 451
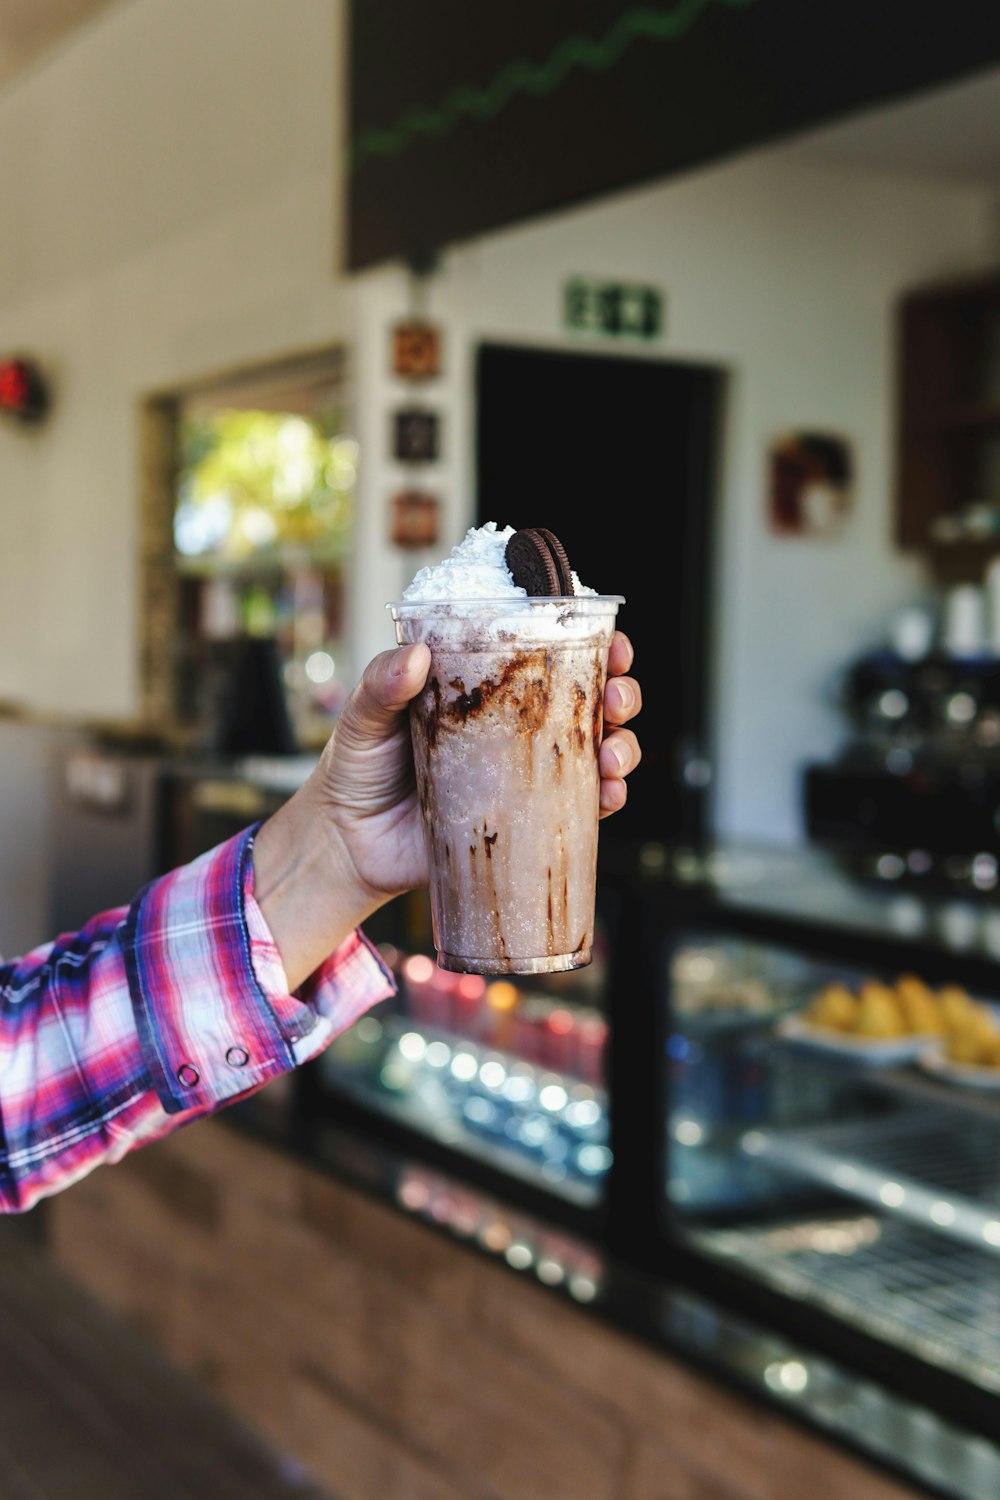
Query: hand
620, 752
351, 838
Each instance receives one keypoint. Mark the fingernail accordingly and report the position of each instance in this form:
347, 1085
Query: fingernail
400, 662
619, 755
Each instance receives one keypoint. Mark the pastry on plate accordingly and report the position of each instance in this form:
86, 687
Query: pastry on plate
879, 1014
972, 1036
919, 1005
833, 1009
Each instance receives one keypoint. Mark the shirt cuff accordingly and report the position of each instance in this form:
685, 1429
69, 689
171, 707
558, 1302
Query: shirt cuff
209, 991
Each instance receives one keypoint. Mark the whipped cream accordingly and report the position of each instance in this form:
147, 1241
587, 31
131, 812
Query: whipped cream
475, 569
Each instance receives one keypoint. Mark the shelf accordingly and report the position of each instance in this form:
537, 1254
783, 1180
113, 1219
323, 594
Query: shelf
916, 1165
971, 415
945, 431
906, 1079
986, 545
937, 1300
528, 1121
961, 561
927, 1088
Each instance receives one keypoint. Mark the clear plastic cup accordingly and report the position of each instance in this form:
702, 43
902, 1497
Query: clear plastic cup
505, 740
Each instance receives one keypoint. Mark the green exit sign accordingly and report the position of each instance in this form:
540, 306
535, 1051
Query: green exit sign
618, 309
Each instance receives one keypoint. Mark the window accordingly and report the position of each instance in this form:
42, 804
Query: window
250, 527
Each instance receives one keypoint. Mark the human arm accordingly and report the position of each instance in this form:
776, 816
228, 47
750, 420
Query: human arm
153, 1015
235, 968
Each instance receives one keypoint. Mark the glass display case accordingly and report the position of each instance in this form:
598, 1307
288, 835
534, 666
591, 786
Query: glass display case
505, 1077
830, 1136
761, 1129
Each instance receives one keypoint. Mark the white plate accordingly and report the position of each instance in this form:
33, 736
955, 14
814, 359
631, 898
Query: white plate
969, 1076
865, 1050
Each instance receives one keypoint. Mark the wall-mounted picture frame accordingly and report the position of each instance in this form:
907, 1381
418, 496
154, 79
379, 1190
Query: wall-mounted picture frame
416, 435
416, 350
810, 477
414, 519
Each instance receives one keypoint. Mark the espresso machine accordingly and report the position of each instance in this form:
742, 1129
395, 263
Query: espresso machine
913, 793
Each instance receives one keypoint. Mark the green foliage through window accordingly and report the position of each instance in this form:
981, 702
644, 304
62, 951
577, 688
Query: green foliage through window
259, 485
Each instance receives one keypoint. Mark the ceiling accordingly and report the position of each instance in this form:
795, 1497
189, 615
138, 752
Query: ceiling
28, 28
950, 131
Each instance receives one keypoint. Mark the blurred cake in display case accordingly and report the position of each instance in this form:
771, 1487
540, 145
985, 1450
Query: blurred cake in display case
709, 980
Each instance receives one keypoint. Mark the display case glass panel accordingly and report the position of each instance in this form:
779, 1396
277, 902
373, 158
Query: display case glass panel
833, 1133
509, 1071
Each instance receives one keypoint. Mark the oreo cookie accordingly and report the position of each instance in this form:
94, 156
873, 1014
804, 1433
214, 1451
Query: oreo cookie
538, 563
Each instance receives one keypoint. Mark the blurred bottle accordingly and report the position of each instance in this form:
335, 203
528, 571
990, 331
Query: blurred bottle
559, 1040
529, 1027
469, 1012
592, 1046
964, 631
501, 999
428, 991
991, 589
912, 633
220, 610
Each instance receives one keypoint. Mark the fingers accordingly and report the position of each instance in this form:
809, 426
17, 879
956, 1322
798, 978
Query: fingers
620, 654
622, 700
619, 753
613, 797
393, 678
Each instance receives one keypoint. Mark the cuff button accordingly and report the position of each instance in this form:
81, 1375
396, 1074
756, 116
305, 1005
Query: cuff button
187, 1075
237, 1057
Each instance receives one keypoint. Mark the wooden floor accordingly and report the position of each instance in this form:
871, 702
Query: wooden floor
89, 1410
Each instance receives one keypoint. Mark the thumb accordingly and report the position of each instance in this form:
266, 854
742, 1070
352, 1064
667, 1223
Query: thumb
389, 682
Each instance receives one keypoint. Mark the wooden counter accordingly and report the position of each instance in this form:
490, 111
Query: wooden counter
397, 1365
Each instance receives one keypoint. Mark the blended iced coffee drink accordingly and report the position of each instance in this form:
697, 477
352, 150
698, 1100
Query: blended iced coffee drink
505, 741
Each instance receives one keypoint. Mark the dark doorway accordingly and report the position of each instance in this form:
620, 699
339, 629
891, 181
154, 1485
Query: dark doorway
617, 457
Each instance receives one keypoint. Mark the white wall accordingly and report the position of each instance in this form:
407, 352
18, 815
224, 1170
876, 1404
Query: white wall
172, 208
168, 184
785, 273
27, 770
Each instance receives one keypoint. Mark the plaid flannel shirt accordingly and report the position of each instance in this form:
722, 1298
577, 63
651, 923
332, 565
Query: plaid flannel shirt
153, 1015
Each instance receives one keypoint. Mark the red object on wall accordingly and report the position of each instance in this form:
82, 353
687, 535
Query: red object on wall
23, 392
